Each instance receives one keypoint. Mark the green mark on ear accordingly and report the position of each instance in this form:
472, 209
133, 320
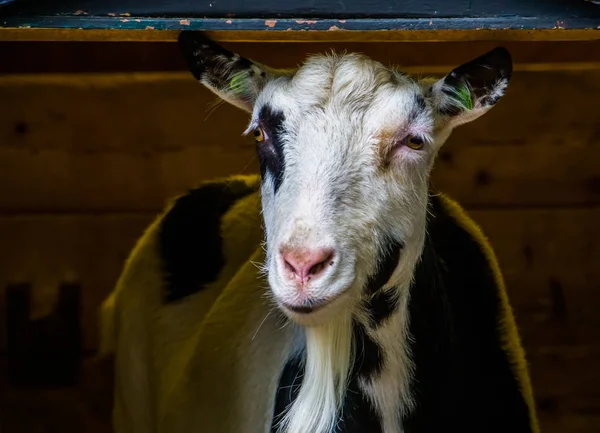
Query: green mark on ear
464, 96
238, 82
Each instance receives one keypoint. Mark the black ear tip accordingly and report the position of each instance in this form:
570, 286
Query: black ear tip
502, 52
189, 38
500, 57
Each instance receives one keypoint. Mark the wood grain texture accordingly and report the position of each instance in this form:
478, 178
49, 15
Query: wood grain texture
566, 381
161, 31
127, 142
30, 57
85, 408
47, 251
549, 257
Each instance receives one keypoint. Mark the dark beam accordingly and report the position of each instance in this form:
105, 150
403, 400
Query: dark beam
325, 20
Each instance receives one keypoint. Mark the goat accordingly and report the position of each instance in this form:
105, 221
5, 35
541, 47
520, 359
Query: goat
335, 292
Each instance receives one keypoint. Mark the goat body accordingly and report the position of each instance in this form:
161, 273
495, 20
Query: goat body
203, 349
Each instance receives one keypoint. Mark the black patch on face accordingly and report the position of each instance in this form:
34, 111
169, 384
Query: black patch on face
189, 237
463, 381
419, 107
381, 306
210, 61
270, 152
387, 265
420, 103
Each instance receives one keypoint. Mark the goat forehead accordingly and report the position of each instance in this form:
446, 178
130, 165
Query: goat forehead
342, 85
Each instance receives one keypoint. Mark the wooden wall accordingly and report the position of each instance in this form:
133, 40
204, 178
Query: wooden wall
88, 159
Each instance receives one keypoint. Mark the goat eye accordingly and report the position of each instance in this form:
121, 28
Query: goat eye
259, 134
414, 143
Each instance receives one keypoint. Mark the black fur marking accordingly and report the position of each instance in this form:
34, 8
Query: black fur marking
420, 103
190, 243
358, 414
381, 306
369, 357
387, 265
463, 380
270, 152
420, 106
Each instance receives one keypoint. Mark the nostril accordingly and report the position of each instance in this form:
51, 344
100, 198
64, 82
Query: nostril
289, 266
317, 268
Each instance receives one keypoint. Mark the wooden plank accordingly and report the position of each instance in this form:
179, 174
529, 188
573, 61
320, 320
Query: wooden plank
155, 31
85, 408
29, 57
549, 258
566, 380
47, 251
127, 142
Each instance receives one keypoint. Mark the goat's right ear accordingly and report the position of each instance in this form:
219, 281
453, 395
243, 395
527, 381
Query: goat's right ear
471, 89
234, 78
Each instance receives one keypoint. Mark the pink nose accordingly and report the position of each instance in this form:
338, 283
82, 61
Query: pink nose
304, 264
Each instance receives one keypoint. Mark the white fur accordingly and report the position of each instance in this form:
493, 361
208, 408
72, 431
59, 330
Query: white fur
328, 355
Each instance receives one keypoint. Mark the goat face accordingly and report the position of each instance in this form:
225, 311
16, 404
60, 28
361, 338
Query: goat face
345, 146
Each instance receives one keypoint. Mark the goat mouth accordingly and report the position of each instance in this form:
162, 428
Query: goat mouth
311, 307
303, 309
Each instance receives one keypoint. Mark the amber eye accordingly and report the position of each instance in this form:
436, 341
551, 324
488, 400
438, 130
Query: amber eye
414, 143
259, 134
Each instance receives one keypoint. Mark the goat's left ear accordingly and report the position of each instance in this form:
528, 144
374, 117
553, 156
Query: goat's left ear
234, 78
470, 90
